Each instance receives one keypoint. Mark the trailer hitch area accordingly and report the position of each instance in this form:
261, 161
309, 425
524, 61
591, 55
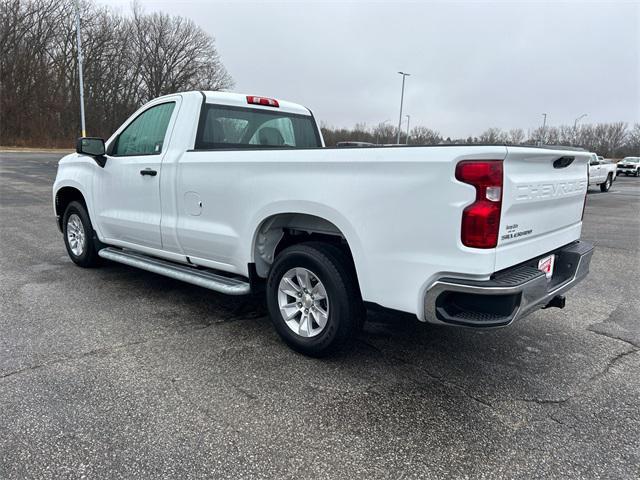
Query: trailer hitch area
559, 301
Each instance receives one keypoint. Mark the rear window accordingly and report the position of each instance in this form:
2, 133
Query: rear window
232, 127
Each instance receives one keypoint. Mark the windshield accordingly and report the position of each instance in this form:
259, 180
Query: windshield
631, 160
235, 127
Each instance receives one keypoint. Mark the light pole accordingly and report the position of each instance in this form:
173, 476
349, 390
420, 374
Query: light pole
80, 59
575, 127
408, 120
575, 124
544, 125
380, 125
401, 101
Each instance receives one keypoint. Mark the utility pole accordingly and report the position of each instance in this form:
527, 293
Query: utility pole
544, 125
80, 60
408, 120
401, 101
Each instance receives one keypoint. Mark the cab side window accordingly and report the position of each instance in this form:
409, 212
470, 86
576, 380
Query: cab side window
145, 135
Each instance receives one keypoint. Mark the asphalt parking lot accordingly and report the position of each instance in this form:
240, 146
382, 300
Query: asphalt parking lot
118, 373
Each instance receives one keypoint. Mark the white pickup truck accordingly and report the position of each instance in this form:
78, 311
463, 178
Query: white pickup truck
238, 194
601, 173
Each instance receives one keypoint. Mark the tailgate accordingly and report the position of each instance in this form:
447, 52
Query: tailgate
543, 198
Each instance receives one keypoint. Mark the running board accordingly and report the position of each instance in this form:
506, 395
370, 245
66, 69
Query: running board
201, 278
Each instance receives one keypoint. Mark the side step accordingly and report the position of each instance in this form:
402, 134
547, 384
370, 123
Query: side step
201, 278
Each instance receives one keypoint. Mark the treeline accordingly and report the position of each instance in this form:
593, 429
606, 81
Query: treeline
128, 60
614, 140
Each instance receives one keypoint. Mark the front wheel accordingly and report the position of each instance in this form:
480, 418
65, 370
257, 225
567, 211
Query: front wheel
313, 298
78, 236
604, 187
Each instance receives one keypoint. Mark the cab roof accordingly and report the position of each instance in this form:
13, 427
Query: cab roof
242, 100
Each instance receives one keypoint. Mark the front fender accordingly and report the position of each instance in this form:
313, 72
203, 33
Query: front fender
76, 171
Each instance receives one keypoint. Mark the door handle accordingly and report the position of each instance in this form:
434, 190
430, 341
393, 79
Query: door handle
148, 171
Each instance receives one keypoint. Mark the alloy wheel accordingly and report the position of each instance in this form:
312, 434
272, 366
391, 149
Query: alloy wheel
303, 302
75, 234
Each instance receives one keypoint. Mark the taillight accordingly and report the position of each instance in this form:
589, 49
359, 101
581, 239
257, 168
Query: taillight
481, 219
264, 101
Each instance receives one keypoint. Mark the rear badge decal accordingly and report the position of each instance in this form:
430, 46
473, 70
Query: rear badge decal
513, 232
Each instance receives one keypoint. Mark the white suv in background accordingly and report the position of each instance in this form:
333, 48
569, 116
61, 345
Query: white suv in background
629, 166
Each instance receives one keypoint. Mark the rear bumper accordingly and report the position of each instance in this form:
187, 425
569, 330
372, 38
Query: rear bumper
510, 294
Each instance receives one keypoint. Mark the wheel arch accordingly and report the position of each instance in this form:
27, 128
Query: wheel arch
63, 197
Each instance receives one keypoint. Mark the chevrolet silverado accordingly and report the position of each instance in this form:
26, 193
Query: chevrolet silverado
238, 194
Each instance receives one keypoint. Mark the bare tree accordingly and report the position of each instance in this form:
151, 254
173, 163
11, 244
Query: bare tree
615, 137
633, 141
552, 135
128, 60
175, 54
493, 135
516, 136
567, 135
425, 136
384, 133
606, 139
27, 30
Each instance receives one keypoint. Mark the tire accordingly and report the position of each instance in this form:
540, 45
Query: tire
334, 286
79, 237
637, 172
604, 187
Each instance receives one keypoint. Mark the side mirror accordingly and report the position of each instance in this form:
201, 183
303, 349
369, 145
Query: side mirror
92, 146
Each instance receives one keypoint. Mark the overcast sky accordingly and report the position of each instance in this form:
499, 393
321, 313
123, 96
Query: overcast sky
473, 64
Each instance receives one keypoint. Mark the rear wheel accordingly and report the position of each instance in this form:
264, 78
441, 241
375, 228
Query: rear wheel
313, 298
79, 236
604, 187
